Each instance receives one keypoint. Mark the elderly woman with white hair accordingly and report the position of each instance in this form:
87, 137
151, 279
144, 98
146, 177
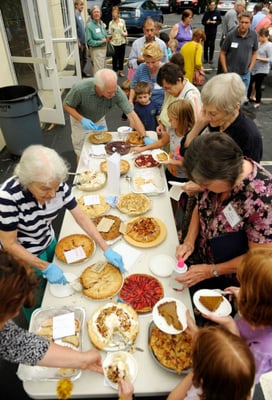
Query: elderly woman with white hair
90, 100
222, 97
29, 202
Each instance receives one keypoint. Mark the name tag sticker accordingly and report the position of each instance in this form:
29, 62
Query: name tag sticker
234, 45
98, 30
231, 215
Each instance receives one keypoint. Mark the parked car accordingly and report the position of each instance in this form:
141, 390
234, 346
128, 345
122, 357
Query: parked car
251, 4
135, 12
166, 6
197, 6
225, 5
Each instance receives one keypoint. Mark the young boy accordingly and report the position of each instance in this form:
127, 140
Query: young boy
125, 86
144, 107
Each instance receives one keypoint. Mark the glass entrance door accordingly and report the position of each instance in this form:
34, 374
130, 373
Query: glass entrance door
42, 41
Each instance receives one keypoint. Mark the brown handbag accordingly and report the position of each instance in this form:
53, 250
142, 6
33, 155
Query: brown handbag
199, 77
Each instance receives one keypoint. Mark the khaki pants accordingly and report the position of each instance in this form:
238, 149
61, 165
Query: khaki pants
98, 57
79, 134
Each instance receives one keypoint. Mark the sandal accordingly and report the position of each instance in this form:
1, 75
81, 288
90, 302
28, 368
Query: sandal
121, 74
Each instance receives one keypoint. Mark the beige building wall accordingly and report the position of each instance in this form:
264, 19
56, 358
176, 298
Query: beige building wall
5, 77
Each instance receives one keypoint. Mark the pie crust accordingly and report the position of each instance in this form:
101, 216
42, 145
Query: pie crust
173, 352
133, 203
72, 242
91, 180
94, 210
124, 167
143, 229
100, 138
135, 138
111, 319
101, 285
114, 231
142, 292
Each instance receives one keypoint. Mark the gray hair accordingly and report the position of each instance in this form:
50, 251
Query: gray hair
103, 76
40, 164
95, 7
240, 3
224, 91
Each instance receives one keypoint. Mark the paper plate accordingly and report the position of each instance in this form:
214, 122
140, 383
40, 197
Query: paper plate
162, 265
63, 290
123, 360
160, 155
161, 323
223, 310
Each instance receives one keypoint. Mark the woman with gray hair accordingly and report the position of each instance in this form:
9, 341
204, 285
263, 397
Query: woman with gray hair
222, 97
96, 37
29, 202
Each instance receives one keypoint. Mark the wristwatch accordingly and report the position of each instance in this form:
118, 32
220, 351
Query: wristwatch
214, 271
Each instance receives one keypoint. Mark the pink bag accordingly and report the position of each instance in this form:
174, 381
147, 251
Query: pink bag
131, 72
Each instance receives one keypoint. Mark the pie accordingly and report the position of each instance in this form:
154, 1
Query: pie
211, 302
114, 231
135, 138
162, 156
143, 229
117, 147
100, 138
91, 180
113, 320
141, 291
118, 368
145, 161
101, 284
46, 330
72, 242
171, 351
124, 167
168, 311
93, 210
133, 203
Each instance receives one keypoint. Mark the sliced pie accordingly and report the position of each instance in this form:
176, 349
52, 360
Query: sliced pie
135, 138
168, 311
113, 320
72, 242
101, 284
211, 302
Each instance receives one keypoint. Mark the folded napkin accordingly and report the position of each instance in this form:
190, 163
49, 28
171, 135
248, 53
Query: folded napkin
130, 254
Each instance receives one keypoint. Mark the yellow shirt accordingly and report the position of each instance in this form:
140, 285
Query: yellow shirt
192, 58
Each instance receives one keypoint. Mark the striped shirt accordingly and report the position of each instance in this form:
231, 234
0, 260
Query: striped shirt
20, 211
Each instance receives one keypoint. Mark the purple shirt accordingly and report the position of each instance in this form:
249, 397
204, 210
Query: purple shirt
184, 35
260, 342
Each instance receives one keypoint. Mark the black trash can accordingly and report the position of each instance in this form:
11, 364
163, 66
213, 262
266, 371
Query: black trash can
19, 118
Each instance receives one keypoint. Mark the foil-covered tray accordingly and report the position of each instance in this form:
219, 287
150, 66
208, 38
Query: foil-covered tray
41, 318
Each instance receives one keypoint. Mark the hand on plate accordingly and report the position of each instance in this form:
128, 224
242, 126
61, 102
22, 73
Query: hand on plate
125, 389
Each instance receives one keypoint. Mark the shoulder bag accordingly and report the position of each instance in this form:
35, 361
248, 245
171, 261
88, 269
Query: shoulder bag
199, 75
110, 50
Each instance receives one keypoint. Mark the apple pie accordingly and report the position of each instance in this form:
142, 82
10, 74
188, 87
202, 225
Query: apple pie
124, 167
93, 210
103, 284
72, 242
133, 203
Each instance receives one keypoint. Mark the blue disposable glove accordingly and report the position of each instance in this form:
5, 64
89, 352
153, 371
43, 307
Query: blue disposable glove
54, 274
148, 140
115, 258
88, 125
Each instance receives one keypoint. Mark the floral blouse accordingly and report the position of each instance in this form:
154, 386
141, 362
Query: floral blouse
116, 30
252, 201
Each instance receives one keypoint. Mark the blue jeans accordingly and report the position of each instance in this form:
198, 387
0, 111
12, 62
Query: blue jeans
246, 79
46, 255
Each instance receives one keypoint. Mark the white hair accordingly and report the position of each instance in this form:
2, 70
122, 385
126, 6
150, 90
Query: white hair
224, 91
40, 164
103, 76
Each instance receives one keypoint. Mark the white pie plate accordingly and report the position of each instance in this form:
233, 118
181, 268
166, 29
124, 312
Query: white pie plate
223, 310
121, 357
162, 265
161, 323
58, 290
156, 152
